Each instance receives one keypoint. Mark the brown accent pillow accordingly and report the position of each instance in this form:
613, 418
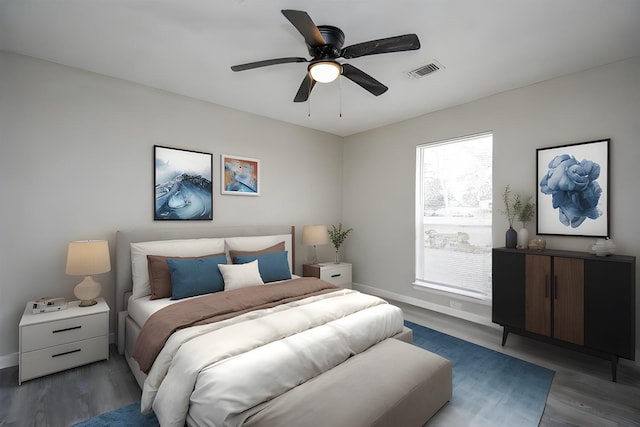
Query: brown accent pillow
278, 247
160, 276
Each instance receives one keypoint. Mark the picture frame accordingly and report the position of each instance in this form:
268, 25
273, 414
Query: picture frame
183, 188
239, 176
572, 197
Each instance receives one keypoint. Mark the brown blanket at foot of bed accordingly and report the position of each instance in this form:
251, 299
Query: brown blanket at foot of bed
219, 306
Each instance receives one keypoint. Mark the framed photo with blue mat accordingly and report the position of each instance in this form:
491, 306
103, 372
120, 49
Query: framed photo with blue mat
573, 189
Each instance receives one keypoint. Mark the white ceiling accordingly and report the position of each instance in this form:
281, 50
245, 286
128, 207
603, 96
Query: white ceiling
188, 46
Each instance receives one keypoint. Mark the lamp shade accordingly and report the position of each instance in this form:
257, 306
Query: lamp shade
325, 71
84, 258
315, 235
87, 257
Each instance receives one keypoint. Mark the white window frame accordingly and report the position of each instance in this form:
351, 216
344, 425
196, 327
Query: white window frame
420, 230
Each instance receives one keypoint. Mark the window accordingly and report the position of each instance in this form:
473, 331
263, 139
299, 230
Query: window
453, 215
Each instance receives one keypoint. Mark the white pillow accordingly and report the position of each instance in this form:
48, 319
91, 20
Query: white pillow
238, 276
180, 247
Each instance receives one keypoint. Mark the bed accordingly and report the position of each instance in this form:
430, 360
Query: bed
263, 347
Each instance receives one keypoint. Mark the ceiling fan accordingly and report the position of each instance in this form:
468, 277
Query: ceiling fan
324, 43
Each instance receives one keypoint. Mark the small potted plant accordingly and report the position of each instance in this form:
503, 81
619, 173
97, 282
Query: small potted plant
526, 211
337, 237
511, 207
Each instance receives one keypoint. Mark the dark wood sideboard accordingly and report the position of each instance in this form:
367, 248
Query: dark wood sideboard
574, 299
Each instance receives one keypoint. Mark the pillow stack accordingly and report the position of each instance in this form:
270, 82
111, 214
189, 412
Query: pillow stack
178, 277
270, 265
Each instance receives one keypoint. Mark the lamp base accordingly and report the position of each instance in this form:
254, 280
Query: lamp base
314, 258
87, 303
87, 291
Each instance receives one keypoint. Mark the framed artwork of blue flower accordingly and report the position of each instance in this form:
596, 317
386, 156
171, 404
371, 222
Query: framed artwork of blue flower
573, 189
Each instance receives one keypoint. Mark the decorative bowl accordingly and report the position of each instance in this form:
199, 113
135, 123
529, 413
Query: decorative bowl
537, 244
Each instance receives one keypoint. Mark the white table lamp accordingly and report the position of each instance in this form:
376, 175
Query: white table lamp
315, 235
84, 258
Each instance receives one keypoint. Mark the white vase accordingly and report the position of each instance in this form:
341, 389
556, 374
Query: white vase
523, 238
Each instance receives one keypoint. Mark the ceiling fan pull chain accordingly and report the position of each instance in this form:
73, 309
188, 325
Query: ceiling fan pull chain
309, 99
340, 90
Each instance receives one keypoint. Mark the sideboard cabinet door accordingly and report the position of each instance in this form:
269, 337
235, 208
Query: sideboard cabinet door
568, 300
508, 289
538, 294
610, 307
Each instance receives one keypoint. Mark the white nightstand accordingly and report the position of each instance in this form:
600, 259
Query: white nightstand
338, 274
59, 340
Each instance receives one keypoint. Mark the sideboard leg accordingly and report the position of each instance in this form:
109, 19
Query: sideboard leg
614, 368
505, 332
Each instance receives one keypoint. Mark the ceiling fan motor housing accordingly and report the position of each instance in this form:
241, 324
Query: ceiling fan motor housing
334, 39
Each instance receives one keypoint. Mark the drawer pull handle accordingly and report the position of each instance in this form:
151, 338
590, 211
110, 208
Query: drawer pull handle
336, 275
65, 353
67, 329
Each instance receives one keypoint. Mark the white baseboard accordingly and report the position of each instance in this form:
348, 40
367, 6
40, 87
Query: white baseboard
8, 360
392, 296
424, 304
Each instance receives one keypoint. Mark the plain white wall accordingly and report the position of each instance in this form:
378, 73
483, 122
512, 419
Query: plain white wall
379, 170
76, 162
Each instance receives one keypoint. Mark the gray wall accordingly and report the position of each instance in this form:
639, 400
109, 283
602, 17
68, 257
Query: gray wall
598, 103
76, 163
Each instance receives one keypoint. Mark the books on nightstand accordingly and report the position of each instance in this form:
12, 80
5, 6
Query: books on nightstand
47, 304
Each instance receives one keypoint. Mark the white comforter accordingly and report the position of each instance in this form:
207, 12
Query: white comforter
218, 374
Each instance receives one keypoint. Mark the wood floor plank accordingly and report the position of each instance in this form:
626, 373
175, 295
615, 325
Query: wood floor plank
67, 397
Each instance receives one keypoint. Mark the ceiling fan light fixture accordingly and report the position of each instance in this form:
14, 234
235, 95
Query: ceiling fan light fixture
325, 71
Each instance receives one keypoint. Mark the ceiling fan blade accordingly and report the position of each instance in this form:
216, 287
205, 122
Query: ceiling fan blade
363, 79
388, 45
303, 23
266, 63
305, 89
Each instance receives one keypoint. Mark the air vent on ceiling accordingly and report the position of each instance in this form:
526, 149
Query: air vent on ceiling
425, 70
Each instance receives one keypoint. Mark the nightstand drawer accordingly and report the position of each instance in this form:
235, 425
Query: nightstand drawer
340, 276
58, 358
63, 331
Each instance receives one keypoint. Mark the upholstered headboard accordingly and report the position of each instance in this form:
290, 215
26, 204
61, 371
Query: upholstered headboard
124, 239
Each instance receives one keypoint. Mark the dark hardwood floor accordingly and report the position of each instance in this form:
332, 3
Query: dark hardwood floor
582, 393
67, 397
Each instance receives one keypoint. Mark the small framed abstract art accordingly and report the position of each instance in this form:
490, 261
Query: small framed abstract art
183, 187
573, 189
239, 175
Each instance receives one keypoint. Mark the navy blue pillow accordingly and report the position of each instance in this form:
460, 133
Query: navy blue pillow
273, 266
195, 276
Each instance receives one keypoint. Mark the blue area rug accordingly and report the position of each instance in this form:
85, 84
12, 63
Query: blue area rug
128, 416
489, 388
